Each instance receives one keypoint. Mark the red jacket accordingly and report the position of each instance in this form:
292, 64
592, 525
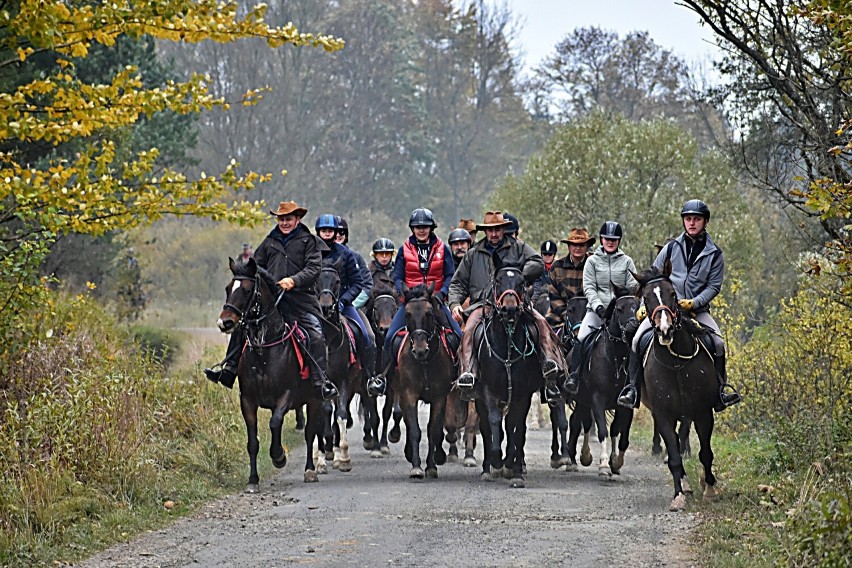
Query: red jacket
435, 273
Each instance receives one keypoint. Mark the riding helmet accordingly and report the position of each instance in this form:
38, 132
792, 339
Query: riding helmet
383, 245
514, 226
422, 217
326, 221
548, 247
611, 230
459, 235
342, 225
695, 207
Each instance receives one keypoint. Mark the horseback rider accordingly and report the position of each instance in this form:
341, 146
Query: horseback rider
566, 274
606, 268
469, 225
473, 279
513, 228
352, 283
342, 238
459, 241
422, 259
382, 251
548, 254
294, 258
698, 267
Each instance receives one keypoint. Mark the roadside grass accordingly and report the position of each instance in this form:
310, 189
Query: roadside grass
190, 449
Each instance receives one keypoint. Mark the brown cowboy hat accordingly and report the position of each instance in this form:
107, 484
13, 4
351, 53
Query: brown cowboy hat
289, 208
468, 225
493, 219
579, 236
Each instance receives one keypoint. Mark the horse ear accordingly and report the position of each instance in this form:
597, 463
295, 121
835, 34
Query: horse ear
231, 263
252, 265
430, 288
667, 268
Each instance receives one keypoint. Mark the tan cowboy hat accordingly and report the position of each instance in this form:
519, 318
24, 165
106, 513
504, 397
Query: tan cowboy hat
493, 219
468, 225
289, 208
579, 236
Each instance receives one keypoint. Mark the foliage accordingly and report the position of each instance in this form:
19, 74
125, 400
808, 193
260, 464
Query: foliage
821, 529
639, 173
95, 437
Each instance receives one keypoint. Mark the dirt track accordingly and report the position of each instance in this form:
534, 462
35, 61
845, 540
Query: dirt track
376, 515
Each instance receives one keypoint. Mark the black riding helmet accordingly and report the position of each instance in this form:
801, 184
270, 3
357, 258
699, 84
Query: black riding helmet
695, 207
514, 226
548, 247
342, 228
383, 245
422, 217
459, 235
611, 230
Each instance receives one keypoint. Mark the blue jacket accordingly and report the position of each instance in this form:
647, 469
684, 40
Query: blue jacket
351, 276
703, 281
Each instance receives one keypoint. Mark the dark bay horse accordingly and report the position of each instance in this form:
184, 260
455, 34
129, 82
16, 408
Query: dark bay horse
344, 369
269, 369
508, 350
380, 309
603, 378
680, 379
426, 373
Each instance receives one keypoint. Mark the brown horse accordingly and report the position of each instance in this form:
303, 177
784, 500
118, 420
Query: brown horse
425, 373
680, 379
269, 369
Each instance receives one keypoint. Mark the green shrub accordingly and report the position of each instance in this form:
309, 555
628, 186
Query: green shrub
159, 343
820, 531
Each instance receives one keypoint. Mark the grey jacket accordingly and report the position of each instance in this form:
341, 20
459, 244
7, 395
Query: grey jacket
473, 276
602, 270
704, 281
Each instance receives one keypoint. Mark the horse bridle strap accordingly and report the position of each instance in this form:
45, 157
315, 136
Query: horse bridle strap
510, 292
663, 308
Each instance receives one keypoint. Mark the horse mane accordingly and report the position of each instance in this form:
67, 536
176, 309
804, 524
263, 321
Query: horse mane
244, 269
650, 274
419, 291
695, 328
382, 285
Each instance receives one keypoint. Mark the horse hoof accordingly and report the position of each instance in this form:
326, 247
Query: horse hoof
524, 469
487, 476
617, 462
586, 458
556, 463
656, 451
440, 456
385, 450
684, 484
416, 473
394, 436
571, 467
329, 456
710, 493
369, 444
603, 471
517, 482
345, 466
507, 473
469, 461
678, 503
564, 460
322, 469
311, 476
252, 488
432, 472
376, 454
335, 464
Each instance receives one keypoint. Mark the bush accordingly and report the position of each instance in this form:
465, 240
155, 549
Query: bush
820, 531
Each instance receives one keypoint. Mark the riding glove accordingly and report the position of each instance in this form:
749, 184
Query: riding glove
600, 311
686, 304
641, 313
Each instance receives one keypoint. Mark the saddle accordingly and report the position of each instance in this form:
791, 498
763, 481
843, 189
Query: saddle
300, 341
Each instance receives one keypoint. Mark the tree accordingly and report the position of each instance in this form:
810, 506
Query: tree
98, 190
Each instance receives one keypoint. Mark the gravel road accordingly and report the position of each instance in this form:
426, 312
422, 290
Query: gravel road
375, 515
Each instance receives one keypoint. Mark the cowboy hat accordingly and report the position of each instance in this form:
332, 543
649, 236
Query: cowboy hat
493, 219
579, 237
289, 208
468, 225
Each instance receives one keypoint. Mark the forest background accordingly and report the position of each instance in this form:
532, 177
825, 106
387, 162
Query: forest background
107, 206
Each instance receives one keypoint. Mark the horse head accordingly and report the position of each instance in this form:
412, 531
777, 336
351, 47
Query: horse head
327, 288
660, 298
621, 310
382, 305
239, 294
509, 288
420, 319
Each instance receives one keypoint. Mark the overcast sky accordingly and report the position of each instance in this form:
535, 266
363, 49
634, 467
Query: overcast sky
545, 22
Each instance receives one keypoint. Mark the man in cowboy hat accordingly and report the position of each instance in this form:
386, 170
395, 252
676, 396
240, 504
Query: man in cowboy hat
473, 279
293, 256
566, 280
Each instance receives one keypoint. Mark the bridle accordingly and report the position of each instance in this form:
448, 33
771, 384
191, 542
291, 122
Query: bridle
622, 337
334, 297
253, 305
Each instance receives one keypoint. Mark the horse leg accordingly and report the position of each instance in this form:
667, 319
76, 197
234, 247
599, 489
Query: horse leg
365, 411
249, 411
517, 441
587, 420
575, 424
683, 434
371, 406
600, 423
313, 431
435, 455
562, 424
300, 417
620, 429
452, 424
656, 448
344, 421
704, 429
666, 427
492, 441
413, 435
276, 451
395, 434
384, 446
471, 424
328, 430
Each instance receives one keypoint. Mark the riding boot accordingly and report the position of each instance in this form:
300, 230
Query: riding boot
324, 389
466, 379
572, 381
368, 359
726, 399
226, 373
629, 397
377, 385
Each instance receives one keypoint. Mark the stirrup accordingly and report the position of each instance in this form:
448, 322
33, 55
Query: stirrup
552, 394
727, 399
466, 380
549, 369
627, 398
571, 384
214, 373
377, 385
326, 391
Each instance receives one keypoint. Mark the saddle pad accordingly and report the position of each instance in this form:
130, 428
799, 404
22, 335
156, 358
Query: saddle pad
353, 349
